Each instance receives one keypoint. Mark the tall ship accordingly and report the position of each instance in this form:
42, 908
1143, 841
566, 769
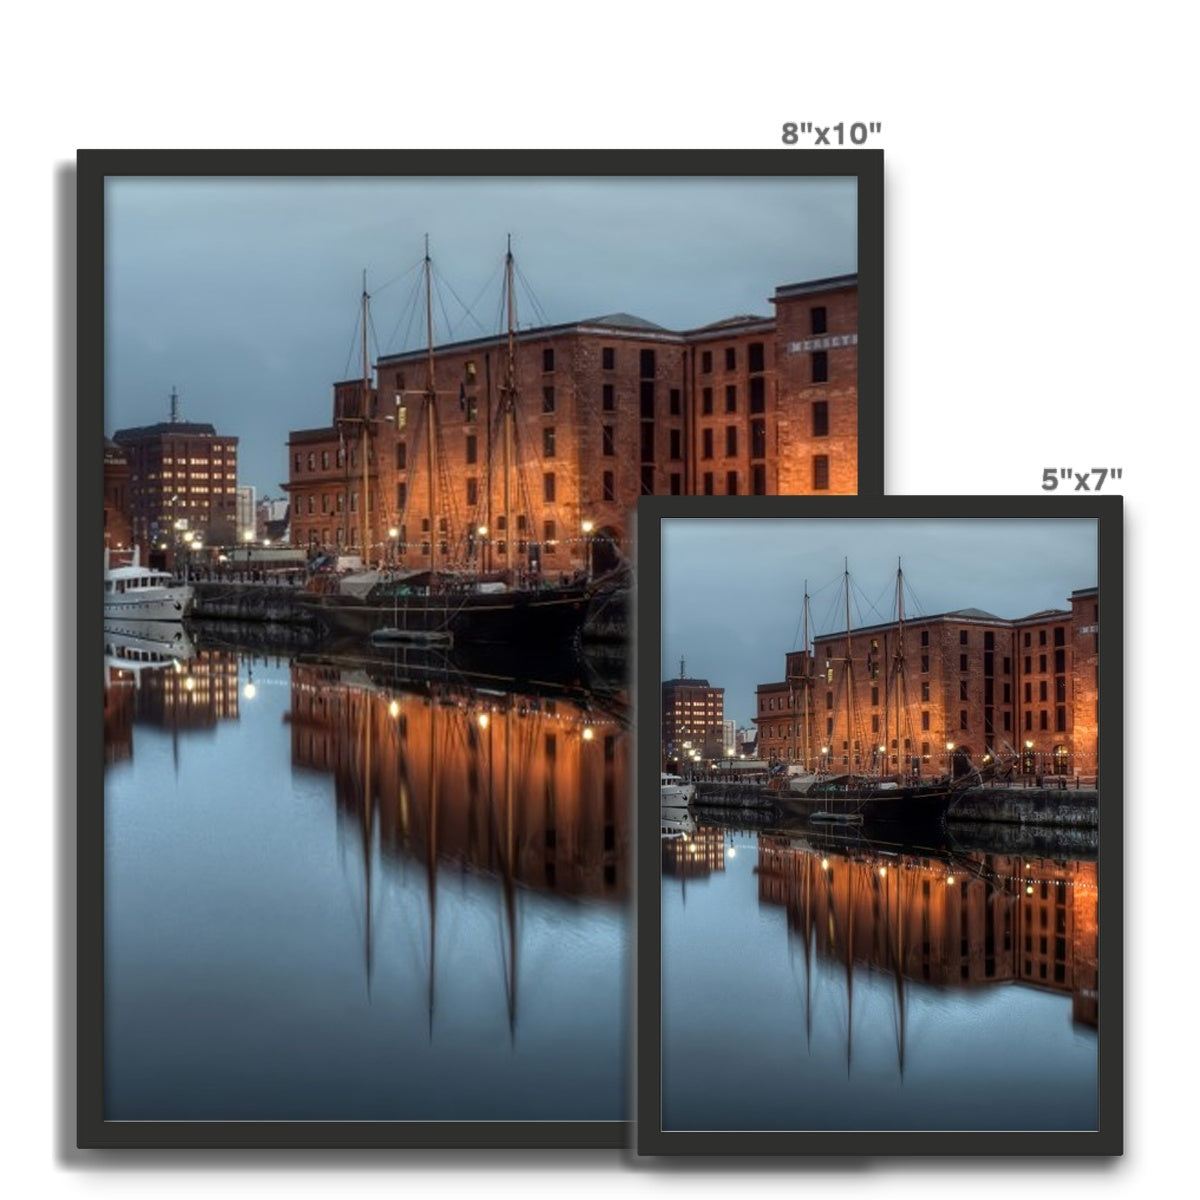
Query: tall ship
874, 786
440, 602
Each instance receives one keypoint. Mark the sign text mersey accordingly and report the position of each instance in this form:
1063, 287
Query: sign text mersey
829, 342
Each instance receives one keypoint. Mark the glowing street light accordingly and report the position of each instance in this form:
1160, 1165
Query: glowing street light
587, 527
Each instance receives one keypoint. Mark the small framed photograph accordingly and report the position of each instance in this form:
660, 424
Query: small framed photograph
361, 435
880, 890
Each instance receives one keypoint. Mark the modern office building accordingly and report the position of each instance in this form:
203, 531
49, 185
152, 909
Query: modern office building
182, 484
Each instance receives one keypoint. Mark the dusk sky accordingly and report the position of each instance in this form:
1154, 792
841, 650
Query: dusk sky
244, 294
733, 589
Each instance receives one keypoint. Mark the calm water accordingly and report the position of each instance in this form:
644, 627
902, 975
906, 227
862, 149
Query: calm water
334, 892
815, 983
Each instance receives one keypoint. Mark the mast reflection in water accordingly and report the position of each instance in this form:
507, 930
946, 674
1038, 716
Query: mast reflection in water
818, 982
357, 896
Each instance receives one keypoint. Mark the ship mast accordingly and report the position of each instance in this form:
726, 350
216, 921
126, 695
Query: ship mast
807, 661
899, 681
508, 393
430, 412
364, 444
805, 688
846, 675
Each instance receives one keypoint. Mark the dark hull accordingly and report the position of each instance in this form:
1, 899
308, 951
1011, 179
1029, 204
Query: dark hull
533, 617
915, 806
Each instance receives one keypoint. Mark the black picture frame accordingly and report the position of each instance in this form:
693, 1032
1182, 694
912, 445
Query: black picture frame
94, 168
652, 1140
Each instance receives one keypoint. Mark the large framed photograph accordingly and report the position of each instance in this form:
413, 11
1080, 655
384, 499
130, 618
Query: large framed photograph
361, 437
880, 889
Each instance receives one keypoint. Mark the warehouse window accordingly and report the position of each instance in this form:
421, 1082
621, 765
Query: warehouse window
820, 418
821, 473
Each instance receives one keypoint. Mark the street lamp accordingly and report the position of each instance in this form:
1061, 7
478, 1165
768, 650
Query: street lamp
187, 553
588, 526
950, 759
393, 536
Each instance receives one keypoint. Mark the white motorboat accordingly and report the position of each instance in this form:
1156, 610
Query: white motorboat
675, 791
137, 593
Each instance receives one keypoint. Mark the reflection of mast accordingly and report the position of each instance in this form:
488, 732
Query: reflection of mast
849, 966
805, 864
368, 829
510, 899
894, 932
849, 949
431, 848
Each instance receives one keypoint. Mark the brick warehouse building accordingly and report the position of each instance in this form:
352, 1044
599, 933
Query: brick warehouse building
606, 410
182, 478
973, 684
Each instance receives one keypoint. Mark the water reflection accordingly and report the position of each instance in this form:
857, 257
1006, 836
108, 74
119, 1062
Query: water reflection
874, 931
477, 858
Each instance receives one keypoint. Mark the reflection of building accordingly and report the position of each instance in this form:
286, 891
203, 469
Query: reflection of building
696, 855
607, 409
972, 681
203, 691
531, 789
118, 719
693, 719
183, 478
148, 687
981, 920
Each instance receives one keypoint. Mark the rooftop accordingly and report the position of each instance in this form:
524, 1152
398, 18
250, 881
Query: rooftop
173, 428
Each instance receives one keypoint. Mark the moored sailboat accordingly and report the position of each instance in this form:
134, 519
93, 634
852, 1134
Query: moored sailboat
438, 601
900, 795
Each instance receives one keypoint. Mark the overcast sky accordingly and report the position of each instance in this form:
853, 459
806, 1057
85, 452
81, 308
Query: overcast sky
244, 295
733, 589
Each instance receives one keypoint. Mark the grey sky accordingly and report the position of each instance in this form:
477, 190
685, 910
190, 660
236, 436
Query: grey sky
244, 294
732, 589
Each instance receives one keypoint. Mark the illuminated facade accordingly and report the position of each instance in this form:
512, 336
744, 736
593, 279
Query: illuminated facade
972, 684
604, 411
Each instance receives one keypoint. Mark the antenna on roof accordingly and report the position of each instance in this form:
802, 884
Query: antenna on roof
682, 672
174, 406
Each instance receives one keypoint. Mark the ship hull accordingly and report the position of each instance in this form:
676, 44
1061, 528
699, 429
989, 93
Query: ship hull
535, 618
914, 806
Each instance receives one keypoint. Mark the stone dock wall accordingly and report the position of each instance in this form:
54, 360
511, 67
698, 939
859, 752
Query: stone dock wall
248, 602
1049, 807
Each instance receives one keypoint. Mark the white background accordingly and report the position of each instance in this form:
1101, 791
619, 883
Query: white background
1040, 307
